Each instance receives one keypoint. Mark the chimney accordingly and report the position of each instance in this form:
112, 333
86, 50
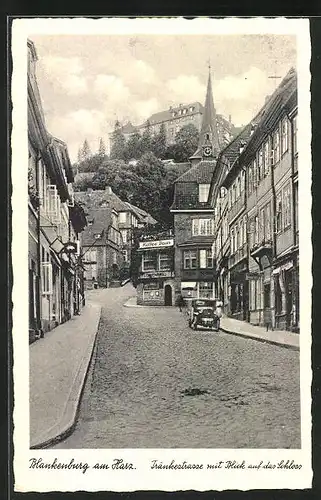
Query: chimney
108, 190
230, 118
89, 190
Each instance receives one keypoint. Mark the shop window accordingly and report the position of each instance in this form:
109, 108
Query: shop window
190, 259
260, 170
205, 290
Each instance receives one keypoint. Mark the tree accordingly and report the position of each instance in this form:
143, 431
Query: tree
146, 141
134, 147
159, 143
107, 173
118, 145
102, 148
186, 142
85, 152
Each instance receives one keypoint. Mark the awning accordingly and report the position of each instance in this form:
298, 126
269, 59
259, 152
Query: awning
188, 285
285, 267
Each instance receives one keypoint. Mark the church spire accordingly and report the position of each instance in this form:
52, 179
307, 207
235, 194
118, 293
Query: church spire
209, 139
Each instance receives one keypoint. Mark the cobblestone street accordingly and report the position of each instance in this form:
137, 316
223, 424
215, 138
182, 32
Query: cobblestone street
155, 383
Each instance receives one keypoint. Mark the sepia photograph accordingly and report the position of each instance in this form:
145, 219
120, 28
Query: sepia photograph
163, 249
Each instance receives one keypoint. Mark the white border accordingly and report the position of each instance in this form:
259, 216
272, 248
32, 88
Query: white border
143, 478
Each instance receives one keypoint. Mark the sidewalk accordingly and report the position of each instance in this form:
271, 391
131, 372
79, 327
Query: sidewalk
282, 338
58, 368
278, 337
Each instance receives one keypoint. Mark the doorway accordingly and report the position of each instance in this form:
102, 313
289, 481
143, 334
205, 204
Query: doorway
168, 295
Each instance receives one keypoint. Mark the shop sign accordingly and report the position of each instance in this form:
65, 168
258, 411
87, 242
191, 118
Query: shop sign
157, 243
164, 274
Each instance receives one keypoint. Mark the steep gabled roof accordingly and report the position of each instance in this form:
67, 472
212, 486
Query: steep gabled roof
95, 199
200, 173
141, 214
166, 115
101, 219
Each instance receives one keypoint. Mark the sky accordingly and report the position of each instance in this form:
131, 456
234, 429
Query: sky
88, 82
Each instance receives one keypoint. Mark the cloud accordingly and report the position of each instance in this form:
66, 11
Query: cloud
76, 126
144, 108
243, 95
67, 72
185, 89
112, 87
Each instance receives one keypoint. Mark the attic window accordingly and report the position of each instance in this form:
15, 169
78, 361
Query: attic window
97, 236
203, 191
90, 222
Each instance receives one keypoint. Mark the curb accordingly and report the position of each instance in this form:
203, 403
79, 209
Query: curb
67, 422
261, 339
238, 334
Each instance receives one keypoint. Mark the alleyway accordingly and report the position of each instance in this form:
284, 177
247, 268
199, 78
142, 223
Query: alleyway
156, 383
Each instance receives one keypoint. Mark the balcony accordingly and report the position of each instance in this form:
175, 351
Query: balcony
240, 254
263, 247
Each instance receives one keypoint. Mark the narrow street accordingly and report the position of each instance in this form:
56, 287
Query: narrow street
155, 383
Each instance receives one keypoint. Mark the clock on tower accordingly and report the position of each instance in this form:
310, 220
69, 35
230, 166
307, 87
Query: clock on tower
207, 151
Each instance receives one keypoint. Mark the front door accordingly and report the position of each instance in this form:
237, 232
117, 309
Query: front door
168, 295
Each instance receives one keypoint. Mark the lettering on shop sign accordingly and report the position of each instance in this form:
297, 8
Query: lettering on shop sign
156, 244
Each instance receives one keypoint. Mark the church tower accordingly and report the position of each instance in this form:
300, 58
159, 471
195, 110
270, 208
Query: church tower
209, 143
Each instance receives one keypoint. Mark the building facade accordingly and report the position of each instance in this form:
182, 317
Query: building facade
173, 119
258, 200
128, 217
195, 266
156, 285
55, 222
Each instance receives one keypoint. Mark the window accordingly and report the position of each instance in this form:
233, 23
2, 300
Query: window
252, 231
256, 234
260, 172
279, 212
296, 205
165, 261
242, 181
287, 206
149, 261
284, 131
46, 277
97, 236
266, 158
268, 221
205, 290
53, 204
232, 242
206, 259
295, 135
122, 217
254, 174
262, 224
244, 231
250, 182
114, 258
124, 235
125, 255
238, 188
202, 227
276, 146
203, 190
190, 261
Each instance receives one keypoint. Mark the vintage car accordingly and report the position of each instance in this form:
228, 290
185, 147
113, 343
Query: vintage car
203, 315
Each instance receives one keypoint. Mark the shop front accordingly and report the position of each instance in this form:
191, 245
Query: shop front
286, 293
156, 275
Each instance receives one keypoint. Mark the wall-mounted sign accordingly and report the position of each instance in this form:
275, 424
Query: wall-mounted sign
70, 247
157, 243
160, 274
